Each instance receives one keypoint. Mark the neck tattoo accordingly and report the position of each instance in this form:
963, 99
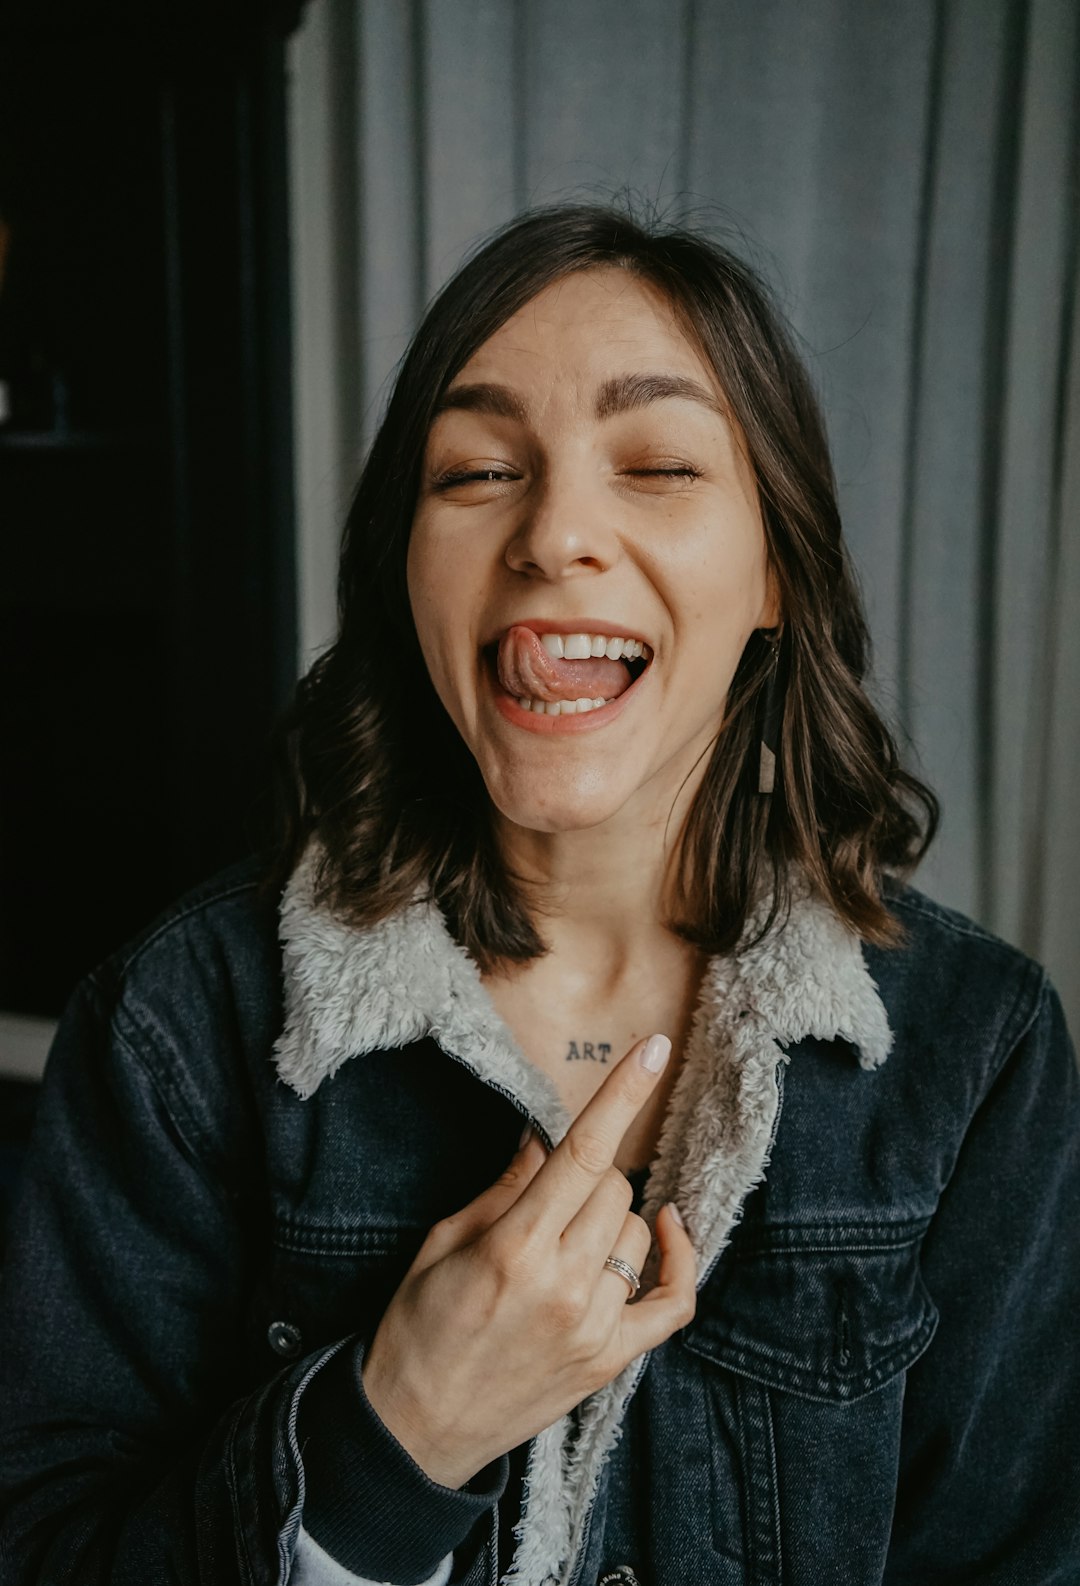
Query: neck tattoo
588, 1052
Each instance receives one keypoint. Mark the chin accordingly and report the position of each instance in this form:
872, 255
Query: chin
564, 806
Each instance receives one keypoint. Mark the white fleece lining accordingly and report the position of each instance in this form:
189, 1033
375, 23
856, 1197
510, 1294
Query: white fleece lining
351, 991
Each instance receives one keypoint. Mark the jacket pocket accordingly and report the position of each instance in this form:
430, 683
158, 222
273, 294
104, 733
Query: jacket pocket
802, 1335
324, 1283
827, 1312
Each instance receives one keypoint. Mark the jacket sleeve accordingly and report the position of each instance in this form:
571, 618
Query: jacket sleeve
126, 1454
989, 1470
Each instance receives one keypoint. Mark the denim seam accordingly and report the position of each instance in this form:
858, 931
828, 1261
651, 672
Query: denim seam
1033, 971
309, 1239
232, 1482
294, 1518
123, 966
759, 1463
1019, 1021
775, 1475
832, 1238
957, 927
190, 1135
1034, 981
749, 1365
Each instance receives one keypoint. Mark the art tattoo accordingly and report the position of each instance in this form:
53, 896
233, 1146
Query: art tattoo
589, 1051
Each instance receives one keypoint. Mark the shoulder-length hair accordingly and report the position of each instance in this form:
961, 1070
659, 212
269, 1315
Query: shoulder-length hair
378, 774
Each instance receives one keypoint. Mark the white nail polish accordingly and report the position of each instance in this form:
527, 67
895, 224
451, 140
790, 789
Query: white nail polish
655, 1053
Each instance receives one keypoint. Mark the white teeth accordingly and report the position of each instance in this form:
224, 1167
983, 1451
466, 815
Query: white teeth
583, 646
561, 707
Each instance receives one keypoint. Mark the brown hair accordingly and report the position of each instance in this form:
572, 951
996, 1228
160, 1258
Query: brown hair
377, 771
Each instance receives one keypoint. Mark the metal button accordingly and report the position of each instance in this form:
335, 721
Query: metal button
284, 1339
623, 1575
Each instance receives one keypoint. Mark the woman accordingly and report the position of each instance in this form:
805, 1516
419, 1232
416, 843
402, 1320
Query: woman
782, 1294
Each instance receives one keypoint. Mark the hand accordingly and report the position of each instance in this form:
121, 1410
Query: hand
507, 1318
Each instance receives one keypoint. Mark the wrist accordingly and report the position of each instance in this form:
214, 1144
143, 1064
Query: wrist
404, 1424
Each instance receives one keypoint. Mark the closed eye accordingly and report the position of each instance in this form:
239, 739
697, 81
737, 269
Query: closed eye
683, 471
475, 476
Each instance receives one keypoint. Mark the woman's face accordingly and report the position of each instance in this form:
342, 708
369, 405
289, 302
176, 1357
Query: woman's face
581, 478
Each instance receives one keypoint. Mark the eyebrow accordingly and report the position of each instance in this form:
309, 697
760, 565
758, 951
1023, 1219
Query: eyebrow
622, 394
629, 391
498, 400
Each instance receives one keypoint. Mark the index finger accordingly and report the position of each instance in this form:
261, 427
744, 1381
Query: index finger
587, 1150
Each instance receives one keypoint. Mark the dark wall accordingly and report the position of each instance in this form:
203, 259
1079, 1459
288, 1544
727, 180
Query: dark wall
147, 623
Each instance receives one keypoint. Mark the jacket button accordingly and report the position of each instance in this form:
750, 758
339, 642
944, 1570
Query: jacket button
623, 1575
284, 1339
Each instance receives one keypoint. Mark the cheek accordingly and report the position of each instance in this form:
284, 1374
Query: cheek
722, 579
430, 596
440, 608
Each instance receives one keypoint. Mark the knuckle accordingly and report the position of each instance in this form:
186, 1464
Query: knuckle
512, 1260
442, 1233
589, 1152
568, 1305
511, 1175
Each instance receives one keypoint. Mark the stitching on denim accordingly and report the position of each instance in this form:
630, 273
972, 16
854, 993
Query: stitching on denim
160, 1089
359, 1241
759, 1466
829, 1238
775, 1494
198, 906
745, 1362
234, 1502
1019, 1022
940, 916
916, 903
746, 1485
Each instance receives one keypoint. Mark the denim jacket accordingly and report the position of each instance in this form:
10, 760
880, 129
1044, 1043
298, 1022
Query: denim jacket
251, 1118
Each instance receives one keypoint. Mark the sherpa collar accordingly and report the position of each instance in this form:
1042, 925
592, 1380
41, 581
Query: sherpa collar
350, 991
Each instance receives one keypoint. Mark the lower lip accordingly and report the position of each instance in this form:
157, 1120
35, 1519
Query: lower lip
591, 720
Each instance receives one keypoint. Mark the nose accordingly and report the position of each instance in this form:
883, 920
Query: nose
562, 533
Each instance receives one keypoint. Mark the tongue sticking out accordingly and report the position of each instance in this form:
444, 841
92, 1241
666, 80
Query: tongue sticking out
527, 671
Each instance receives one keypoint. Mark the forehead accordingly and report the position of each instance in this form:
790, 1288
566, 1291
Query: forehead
585, 325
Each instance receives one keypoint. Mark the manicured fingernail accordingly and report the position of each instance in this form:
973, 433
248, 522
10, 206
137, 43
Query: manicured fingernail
525, 1133
677, 1214
654, 1054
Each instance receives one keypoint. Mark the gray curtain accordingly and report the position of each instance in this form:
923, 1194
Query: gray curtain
906, 177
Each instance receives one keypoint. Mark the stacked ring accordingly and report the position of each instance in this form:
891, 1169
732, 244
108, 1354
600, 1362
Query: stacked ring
625, 1270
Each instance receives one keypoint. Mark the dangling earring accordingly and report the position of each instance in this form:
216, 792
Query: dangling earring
772, 716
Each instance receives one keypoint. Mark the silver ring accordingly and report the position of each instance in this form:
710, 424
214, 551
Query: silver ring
625, 1270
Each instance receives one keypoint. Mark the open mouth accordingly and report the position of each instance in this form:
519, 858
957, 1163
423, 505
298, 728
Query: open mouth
556, 675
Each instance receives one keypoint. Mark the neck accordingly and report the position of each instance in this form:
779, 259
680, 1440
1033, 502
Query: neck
603, 894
